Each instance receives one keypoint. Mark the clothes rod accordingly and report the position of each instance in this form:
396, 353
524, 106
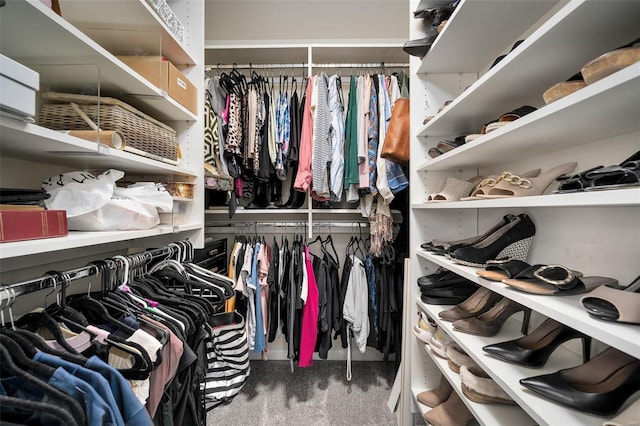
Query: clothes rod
48, 281
292, 225
318, 65
51, 279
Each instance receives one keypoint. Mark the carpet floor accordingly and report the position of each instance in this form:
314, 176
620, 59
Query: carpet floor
316, 396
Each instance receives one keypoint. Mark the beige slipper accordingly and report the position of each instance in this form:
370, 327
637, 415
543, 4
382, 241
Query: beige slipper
478, 386
458, 358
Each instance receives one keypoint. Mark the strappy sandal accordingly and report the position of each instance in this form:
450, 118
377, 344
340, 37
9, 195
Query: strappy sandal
576, 183
615, 177
488, 183
614, 303
511, 185
555, 280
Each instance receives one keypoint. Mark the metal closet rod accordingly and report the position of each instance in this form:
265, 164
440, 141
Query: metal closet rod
290, 224
51, 279
302, 65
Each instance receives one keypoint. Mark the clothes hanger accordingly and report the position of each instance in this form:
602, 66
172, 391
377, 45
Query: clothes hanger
329, 241
21, 360
160, 334
8, 368
33, 321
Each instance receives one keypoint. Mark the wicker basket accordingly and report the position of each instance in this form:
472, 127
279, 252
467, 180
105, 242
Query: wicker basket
180, 189
141, 132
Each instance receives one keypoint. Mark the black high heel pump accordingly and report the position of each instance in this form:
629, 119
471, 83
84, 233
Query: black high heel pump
535, 349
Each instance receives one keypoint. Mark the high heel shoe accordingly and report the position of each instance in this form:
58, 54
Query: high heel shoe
600, 386
479, 302
535, 349
490, 323
511, 185
442, 246
512, 241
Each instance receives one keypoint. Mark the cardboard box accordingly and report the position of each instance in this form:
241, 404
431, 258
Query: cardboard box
20, 225
18, 87
164, 75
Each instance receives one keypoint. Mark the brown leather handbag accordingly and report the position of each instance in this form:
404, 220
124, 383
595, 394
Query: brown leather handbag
396, 141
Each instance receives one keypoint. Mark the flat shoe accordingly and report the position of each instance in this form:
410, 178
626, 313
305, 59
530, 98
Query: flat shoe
618, 304
610, 62
555, 280
456, 358
560, 90
498, 270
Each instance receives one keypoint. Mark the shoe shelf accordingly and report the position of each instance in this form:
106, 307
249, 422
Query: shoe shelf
511, 83
484, 414
507, 375
606, 198
73, 60
564, 309
513, 18
78, 239
36, 143
573, 120
135, 15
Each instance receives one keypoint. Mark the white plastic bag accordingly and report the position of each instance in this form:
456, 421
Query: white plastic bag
148, 193
91, 203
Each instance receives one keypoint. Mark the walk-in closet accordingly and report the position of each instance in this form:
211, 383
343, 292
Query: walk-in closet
336, 212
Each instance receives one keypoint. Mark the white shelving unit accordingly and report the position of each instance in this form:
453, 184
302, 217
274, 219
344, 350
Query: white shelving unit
594, 232
69, 59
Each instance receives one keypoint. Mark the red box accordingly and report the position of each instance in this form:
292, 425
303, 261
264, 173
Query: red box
20, 225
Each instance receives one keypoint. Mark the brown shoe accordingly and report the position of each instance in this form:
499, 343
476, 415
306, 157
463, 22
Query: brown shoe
437, 396
453, 412
478, 303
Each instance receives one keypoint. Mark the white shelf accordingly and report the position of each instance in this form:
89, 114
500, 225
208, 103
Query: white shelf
573, 120
513, 18
507, 375
35, 143
135, 15
511, 83
610, 198
70, 61
78, 239
565, 309
485, 414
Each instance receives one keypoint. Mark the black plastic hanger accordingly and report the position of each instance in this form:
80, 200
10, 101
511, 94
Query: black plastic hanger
43, 371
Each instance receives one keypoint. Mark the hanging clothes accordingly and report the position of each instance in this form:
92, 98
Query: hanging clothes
304, 174
336, 138
351, 177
